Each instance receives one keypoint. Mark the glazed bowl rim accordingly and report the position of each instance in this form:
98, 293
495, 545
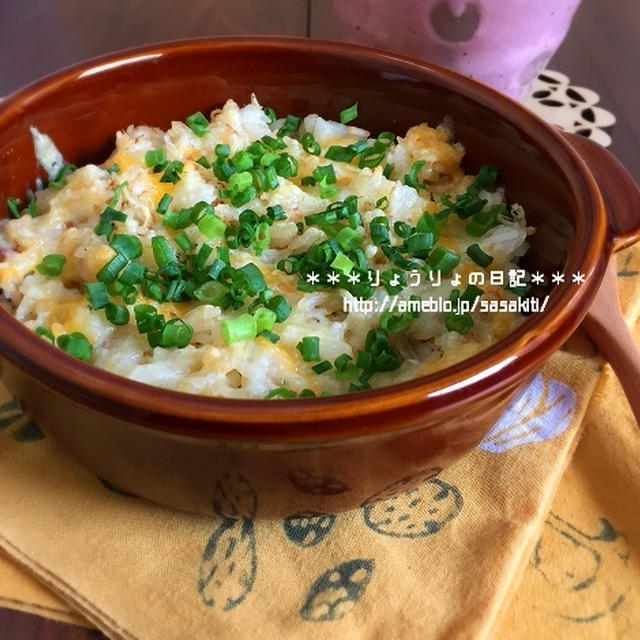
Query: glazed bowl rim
495, 368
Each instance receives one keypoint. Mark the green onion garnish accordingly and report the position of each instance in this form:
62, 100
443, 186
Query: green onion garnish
280, 392
117, 192
46, 333
164, 203
172, 172
222, 150
163, 253
343, 264
340, 154
349, 114
251, 278
290, 126
270, 113
13, 205
348, 238
479, 256
105, 225
211, 226
75, 344
269, 335
116, 314
60, 179
176, 333
183, 241
51, 264
203, 162
388, 168
198, 123
322, 367
382, 203
97, 294
443, 260
309, 347
411, 178
419, 244
211, 292
155, 159
133, 273
461, 323
114, 168
263, 237
280, 306
265, 319
241, 328
310, 144
111, 270
128, 245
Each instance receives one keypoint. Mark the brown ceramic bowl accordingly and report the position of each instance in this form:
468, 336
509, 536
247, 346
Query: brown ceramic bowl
322, 453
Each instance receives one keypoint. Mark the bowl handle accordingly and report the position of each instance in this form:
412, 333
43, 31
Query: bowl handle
619, 190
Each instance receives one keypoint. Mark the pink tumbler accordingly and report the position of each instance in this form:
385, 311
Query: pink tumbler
502, 43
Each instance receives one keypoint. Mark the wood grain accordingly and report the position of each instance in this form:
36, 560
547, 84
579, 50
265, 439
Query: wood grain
40, 36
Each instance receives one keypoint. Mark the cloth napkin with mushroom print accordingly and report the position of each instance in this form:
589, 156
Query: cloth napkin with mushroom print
480, 550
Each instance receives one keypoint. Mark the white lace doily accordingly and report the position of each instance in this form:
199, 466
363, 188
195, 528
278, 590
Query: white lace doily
570, 108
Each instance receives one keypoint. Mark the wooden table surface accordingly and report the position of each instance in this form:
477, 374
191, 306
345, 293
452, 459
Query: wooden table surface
40, 36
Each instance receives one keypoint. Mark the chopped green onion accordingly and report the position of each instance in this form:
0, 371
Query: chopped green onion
51, 264
479, 256
172, 172
198, 123
211, 226
263, 237
379, 230
163, 253
133, 273
343, 264
265, 319
386, 172
322, 367
471, 293
348, 238
269, 335
145, 315
280, 306
340, 154
382, 203
155, 159
290, 126
128, 245
60, 179
183, 241
402, 229
309, 347
211, 292
97, 294
486, 177
164, 203
13, 205
117, 192
419, 244
105, 225
395, 323
111, 270
116, 314
460, 323
270, 113
280, 392
176, 333
443, 260
310, 144
222, 150
241, 328
75, 344
251, 277
349, 114
46, 333
114, 168
428, 223
411, 178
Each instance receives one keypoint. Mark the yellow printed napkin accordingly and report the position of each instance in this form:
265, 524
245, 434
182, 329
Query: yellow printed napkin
440, 561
